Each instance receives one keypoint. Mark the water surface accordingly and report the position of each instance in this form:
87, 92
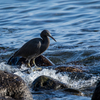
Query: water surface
74, 24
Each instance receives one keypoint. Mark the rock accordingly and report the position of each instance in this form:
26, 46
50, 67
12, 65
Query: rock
12, 87
16, 61
46, 83
67, 69
73, 91
40, 61
96, 94
43, 61
6, 98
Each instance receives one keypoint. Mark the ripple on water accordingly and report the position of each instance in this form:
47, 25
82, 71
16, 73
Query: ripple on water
74, 24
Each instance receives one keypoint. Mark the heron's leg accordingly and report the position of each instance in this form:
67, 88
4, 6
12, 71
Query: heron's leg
28, 65
34, 62
36, 65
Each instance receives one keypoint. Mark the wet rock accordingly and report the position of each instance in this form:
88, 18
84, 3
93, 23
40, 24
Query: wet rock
40, 61
43, 61
73, 91
12, 87
16, 61
6, 98
67, 69
96, 94
46, 83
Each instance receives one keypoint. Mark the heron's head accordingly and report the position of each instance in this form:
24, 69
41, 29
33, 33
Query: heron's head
47, 33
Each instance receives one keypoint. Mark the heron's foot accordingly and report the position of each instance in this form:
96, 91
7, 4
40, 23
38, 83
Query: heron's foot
37, 69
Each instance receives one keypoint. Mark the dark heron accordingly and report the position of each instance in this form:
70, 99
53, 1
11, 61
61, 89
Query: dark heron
35, 47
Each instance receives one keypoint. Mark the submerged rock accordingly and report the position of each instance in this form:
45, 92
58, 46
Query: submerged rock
96, 94
47, 83
12, 87
40, 61
73, 91
67, 69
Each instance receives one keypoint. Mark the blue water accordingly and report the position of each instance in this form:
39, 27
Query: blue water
75, 24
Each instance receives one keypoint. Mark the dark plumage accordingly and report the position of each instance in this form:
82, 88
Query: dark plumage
35, 47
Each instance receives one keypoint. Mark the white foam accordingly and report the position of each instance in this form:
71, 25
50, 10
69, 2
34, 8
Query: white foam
5, 67
29, 78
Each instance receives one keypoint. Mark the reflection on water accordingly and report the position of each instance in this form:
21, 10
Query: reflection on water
74, 24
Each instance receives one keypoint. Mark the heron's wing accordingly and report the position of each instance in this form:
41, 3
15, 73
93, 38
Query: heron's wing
30, 48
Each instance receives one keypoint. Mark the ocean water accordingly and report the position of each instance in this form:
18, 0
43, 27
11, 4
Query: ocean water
76, 27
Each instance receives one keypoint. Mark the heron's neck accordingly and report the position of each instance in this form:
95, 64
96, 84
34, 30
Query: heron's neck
46, 42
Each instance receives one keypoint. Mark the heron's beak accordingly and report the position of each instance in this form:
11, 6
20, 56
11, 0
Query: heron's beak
52, 38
